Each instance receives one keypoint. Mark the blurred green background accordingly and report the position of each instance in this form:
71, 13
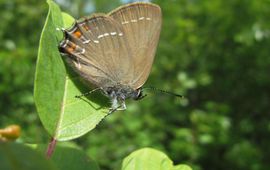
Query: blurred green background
215, 53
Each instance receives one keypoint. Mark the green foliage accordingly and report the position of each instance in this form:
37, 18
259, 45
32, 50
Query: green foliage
68, 156
150, 159
64, 116
215, 53
18, 157
20, 28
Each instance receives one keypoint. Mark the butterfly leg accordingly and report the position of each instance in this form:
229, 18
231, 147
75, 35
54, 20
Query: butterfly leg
111, 110
87, 93
122, 106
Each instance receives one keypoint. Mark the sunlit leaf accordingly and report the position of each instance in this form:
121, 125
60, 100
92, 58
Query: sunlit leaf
63, 116
150, 159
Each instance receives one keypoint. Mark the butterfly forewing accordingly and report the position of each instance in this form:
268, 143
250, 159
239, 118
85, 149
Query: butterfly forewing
98, 50
142, 24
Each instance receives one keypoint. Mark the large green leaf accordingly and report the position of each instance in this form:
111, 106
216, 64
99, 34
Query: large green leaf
19, 157
69, 157
150, 159
63, 116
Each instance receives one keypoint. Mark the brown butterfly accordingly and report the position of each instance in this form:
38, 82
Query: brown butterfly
115, 51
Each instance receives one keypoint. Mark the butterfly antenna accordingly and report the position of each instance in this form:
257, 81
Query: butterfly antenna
164, 91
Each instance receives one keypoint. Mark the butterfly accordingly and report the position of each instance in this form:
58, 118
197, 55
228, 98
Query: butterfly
115, 51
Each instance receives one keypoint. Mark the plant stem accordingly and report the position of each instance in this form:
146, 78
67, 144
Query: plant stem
51, 147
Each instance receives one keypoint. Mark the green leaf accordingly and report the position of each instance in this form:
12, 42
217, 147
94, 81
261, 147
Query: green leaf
68, 20
150, 159
69, 157
19, 157
181, 167
63, 116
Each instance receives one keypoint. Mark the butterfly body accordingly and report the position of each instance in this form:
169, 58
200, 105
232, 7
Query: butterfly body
115, 51
118, 95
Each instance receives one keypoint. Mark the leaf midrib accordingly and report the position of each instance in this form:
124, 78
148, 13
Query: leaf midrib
62, 110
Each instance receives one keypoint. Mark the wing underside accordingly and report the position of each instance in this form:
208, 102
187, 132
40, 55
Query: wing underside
142, 23
117, 48
98, 50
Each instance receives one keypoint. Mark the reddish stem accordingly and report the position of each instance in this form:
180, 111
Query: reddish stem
51, 147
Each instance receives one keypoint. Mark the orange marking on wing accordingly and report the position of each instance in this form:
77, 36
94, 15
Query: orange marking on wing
77, 34
71, 47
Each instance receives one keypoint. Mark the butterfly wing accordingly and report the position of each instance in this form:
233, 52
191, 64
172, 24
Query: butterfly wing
98, 50
142, 24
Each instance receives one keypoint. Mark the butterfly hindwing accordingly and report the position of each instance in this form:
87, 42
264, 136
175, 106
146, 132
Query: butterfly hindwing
142, 24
